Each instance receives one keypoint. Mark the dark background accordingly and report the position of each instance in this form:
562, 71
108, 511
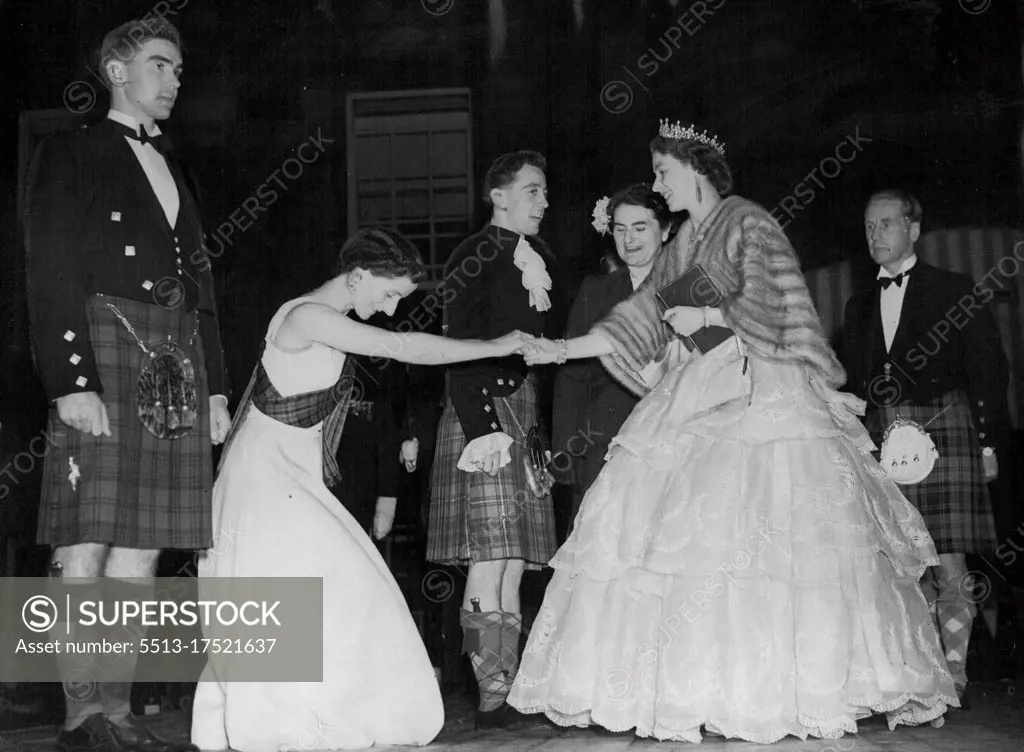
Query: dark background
935, 86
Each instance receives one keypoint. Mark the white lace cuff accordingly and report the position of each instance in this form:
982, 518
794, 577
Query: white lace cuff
474, 453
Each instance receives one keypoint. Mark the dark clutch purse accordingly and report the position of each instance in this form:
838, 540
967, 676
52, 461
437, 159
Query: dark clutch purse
166, 393
696, 289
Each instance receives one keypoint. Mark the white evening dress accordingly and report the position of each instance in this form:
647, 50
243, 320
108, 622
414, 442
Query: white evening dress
379, 687
742, 564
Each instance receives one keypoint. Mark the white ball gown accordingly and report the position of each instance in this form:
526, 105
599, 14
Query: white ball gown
742, 564
378, 686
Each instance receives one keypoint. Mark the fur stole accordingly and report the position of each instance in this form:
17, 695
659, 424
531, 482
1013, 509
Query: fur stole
767, 303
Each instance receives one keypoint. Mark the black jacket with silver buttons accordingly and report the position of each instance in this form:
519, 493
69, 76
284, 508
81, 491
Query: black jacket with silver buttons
95, 225
947, 340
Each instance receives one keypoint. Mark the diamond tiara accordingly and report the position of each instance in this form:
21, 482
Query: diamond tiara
677, 131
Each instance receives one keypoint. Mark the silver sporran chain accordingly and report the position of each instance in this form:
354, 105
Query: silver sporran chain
538, 476
166, 396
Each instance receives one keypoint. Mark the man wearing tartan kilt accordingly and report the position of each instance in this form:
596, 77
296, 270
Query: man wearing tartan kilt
483, 511
922, 345
116, 264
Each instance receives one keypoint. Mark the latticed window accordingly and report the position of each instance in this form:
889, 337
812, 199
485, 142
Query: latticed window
410, 167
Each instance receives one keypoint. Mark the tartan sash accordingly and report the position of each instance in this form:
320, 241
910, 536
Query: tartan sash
301, 410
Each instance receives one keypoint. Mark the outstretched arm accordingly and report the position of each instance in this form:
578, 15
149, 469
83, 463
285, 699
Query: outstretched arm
313, 322
592, 345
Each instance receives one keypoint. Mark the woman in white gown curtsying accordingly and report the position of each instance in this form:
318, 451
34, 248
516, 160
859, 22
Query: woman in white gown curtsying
378, 686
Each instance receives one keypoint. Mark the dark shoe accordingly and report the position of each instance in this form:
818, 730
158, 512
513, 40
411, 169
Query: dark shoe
139, 738
964, 694
92, 735
99, 734
491, 719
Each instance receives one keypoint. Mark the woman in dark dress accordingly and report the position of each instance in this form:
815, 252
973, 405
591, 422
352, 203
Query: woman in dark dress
589, 405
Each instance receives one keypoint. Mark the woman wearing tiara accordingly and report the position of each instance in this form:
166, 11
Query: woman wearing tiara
280, 520
741, 563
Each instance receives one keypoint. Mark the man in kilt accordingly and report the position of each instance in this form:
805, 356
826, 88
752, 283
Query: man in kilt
922, 345
483, 511
115, 265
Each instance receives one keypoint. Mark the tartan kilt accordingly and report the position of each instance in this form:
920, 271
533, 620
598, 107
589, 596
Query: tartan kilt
953, 499
134, 490
476, 517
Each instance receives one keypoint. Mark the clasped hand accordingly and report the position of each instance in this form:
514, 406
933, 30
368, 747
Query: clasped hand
684, 320
535, 350
541, 352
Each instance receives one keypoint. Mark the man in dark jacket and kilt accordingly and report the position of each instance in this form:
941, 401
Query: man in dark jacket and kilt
116, 266
483, 511
922, 345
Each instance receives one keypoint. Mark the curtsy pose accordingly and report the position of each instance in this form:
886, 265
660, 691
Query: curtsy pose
113, 240
272, 493
741, 565
483, 511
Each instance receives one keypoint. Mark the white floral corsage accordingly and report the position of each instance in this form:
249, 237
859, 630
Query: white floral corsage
600, 222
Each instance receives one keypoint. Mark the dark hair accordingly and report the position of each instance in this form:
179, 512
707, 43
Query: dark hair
610, 263
910, 207
124, 42
643, 195
700, 157
382, 252
504, 169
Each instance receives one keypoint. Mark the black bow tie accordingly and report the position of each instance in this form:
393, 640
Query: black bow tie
161, 142
898, 279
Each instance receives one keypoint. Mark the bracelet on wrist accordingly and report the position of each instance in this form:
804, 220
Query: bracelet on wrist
563, 352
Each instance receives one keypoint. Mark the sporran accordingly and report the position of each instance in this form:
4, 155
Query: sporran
908, 453
166, 392
537, 459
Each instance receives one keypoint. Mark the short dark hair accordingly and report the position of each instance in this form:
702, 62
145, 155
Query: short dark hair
641, 194
700, 157
382, 252
504, 169
910, 207
124, 42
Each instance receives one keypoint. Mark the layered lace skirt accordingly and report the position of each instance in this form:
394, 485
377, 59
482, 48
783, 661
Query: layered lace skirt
741, 564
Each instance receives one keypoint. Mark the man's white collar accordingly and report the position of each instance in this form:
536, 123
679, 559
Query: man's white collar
131, 122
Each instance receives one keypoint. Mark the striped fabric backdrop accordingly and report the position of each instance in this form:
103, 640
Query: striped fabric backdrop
976, 251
